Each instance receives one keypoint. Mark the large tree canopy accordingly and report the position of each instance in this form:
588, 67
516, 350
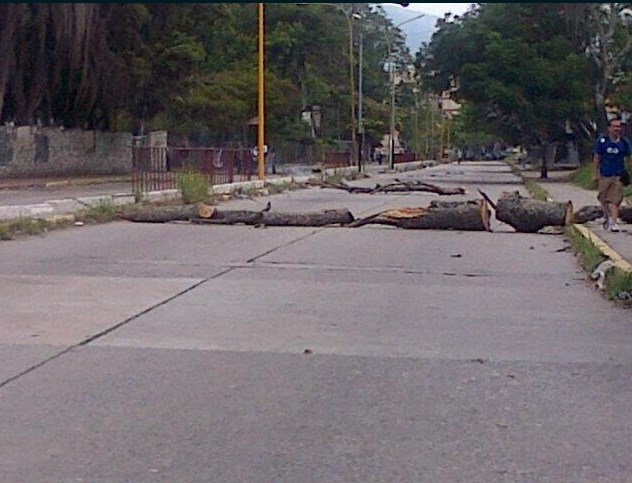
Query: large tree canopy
189, 68
531, 73
526, 72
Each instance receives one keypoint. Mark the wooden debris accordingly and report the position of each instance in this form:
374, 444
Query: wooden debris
202, 213
465, 215
398, 186
159, 214
591, 213
587, 213
488, 199
526, 215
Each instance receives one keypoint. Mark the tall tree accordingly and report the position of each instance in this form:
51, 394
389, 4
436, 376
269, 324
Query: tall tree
523, 73
610, 43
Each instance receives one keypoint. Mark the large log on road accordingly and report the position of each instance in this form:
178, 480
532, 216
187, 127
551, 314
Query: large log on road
202, 213
526, 215
395, 187
316, 218
159, 214
458, 215
591, 213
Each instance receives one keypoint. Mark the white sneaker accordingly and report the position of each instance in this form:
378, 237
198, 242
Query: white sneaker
614, 227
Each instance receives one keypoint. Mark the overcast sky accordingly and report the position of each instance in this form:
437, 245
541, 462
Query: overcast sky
439, 9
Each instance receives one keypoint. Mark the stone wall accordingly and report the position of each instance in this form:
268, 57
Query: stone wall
53, 151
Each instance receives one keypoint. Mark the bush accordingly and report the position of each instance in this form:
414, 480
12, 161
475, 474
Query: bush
193, 186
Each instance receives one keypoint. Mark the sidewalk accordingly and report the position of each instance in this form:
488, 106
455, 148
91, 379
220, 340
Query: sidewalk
616, 246
52, 181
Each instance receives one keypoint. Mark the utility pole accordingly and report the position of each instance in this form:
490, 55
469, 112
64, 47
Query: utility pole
389, 41
360, 100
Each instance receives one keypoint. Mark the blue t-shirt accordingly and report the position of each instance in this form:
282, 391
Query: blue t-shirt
612, 155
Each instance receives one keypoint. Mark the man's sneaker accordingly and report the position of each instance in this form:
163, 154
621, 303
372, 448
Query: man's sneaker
614, 227
606, 224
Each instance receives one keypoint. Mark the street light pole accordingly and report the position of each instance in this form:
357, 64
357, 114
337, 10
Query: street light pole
349, 16
391, 135
360, 100
261, 95
391, 151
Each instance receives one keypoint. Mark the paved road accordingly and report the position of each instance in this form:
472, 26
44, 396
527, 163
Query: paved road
179, 353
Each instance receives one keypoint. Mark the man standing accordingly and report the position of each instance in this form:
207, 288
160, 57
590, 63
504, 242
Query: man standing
609, 157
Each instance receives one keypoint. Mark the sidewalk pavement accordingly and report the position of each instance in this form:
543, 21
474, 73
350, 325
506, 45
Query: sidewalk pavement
48, 182
616, 246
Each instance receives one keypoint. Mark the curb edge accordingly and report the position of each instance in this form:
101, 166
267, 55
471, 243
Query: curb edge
606, 249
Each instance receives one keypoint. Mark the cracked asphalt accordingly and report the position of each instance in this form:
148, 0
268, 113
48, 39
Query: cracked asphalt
186, 353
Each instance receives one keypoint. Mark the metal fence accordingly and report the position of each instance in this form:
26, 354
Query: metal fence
156, 168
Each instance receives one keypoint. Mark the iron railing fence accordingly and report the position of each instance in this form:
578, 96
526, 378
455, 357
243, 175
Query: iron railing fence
156, 168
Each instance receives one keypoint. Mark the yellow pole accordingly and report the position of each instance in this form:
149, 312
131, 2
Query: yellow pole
261, 116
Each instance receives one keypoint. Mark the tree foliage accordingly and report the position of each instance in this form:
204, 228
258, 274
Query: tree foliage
530, 72
189, 68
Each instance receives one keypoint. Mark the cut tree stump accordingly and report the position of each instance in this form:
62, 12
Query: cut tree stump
526, 215
458, 215
202, 213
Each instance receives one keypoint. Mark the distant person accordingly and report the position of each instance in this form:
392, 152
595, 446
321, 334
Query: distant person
609, 156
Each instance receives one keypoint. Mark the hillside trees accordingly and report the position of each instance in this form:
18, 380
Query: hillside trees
57, 62
188, 68
535, 73
522, 73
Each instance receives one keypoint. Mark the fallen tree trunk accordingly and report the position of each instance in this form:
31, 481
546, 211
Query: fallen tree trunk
587, 213
318, 218
591, 213
159, 214
465, 215
202, 213
526, 215
398, 186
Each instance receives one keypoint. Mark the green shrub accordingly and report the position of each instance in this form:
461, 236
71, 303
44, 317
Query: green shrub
6, 233
193, 186
101, 213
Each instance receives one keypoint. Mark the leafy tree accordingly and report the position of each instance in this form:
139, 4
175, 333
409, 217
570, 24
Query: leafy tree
609, 46
524, 75
192, 68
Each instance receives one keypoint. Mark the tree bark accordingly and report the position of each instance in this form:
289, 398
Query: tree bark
591, 213
526, 215
398, 186
466, 216
208, 215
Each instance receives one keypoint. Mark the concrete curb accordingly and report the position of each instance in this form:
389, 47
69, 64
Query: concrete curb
618, 261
